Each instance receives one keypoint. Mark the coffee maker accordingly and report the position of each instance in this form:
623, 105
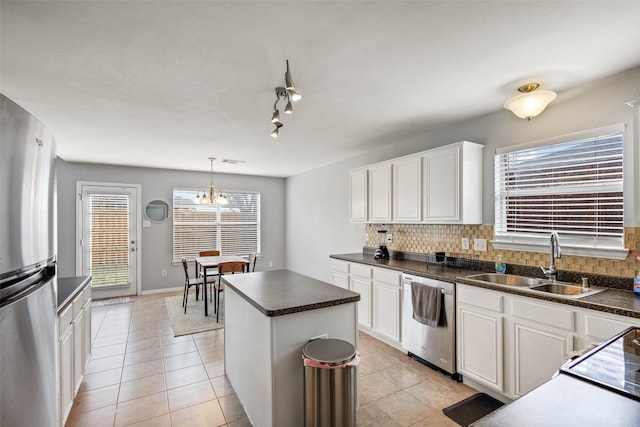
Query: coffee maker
382, 252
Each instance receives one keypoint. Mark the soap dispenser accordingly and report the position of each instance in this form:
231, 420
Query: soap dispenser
501, 267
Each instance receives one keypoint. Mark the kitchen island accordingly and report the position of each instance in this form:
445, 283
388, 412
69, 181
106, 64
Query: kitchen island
269, 318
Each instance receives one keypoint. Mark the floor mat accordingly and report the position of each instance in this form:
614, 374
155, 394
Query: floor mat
194, 320
472, 408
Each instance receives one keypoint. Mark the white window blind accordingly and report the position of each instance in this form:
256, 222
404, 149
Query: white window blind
234, 229
109, 234
571, 185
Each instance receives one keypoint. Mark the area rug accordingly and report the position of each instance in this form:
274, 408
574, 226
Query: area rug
111, 301
471, 409
194, 320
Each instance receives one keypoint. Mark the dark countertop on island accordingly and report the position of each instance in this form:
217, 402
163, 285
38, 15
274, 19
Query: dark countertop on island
280, 292
614, 301
68, 288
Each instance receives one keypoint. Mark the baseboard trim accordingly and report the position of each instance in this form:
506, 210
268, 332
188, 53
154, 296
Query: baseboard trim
162, 291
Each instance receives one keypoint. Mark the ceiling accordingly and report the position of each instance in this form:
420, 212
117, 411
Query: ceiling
168, 84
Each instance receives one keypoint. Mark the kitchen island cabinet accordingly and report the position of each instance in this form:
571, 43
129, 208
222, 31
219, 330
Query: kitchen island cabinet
269, 317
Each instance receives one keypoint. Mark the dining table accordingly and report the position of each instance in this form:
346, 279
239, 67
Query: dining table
210, 262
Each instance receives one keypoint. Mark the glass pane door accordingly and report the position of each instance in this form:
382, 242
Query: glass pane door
108, 239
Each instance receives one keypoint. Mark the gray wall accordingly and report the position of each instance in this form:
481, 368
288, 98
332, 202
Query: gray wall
155, 247
317, 201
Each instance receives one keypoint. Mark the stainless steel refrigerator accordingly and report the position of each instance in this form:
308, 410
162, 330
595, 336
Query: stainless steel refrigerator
28, 386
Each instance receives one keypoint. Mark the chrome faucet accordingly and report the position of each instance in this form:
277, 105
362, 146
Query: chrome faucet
554, 253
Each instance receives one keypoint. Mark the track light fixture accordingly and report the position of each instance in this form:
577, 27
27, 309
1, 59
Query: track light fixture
287, 93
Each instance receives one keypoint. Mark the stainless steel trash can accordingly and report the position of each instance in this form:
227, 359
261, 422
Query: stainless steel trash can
330, 386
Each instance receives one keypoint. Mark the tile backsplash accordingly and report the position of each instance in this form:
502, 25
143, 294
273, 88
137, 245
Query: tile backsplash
429, 238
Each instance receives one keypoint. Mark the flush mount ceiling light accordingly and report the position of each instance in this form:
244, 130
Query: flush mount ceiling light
212, 198
530, 102
287, 93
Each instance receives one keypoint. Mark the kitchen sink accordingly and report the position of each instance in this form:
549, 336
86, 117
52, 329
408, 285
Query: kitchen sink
505, 279
565, 289
530, 284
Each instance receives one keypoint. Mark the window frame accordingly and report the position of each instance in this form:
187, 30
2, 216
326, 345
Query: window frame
603, 247
218, 225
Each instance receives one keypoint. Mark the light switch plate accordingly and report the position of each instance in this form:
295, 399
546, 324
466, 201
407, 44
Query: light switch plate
480, 245
465, 243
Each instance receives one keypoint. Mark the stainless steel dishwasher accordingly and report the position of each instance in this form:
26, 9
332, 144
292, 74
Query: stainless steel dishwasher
434, 346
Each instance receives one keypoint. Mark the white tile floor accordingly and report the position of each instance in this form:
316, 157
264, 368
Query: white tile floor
140, 374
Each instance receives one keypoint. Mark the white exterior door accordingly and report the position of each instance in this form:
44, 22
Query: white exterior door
107, 227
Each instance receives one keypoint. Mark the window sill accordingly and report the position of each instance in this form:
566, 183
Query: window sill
576, 250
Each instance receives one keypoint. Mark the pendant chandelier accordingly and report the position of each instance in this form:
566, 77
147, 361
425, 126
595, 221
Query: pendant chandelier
211, 198
288, 93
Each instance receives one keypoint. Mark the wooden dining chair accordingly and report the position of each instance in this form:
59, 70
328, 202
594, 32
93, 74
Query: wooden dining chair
231, 267
251, 265
210, 253
210, 272
189, 282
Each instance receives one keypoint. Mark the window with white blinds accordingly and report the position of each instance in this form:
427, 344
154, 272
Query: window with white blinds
571, 185
233, 229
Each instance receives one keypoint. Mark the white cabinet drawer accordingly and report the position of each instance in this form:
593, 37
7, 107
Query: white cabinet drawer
77, 304
64, 319
390, 277
556, 317
340, 266
86, 294
599, 328
360, 271
480, 298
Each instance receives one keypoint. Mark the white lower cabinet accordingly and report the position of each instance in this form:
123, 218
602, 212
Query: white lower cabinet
379, 308
65, 363
340, 273
363, 287
386, 303
74, 348
480, 336
510, 343
86, 331
538, 354
513, 344
360, 282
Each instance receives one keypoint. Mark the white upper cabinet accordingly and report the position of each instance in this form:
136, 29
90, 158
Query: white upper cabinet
380, 192
453, 184
407, 189
358, 195
438, 186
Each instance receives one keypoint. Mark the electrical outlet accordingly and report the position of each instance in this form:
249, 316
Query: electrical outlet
389, 238
270, 264
480, 245
163, 273
465, 243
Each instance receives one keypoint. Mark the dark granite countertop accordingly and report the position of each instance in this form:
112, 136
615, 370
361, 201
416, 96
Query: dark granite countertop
280, 292
614, 301
566, 401
68, 288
